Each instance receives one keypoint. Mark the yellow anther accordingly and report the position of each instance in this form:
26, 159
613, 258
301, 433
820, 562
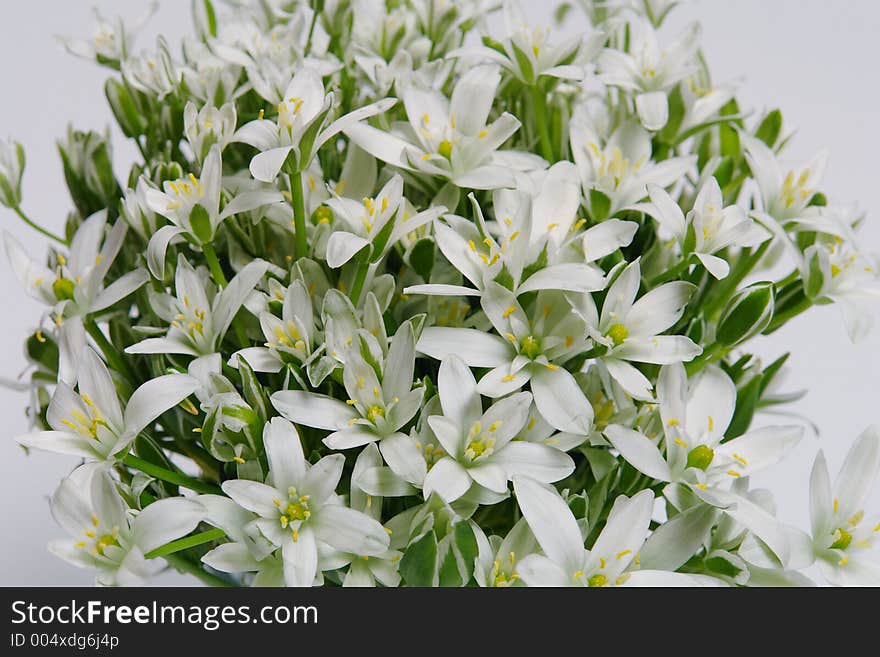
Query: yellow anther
238, 459
734, 473
510, 310
680, 443
622, 554
740, 459
507, 378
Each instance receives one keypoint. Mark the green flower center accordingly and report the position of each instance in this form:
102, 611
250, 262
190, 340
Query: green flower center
445, 149
618, 333
700, 457
597, 580
530, 346
104, 542
842, 539
63, 288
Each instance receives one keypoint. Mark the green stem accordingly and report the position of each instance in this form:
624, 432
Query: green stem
37, 227
214, 264
299, 215
540, 103
185, 543
670, 274
220, 277
187, 566
711, 353
311, 29
359, 278
728, 286
175, 478
787, 314
111, 353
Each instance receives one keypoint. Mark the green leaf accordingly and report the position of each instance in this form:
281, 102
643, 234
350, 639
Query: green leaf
600, 206
769, 129
466, 544
772, 370
676, 115
450, 575
747, 396
201, 224
418, 566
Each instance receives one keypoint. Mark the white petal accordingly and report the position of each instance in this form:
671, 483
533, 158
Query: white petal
716, 266
660, 349
287, 463
342, 247
476, 348
678, 539
560, 400
634, 383
605, 238
350, 531
155, 397
157, 248
313, 410
120, 288
639, 452
260, 359
404, 458
458, 391
551, 521
858, 472
659, 309
540, 462
653, 110
571, 277
538, 570
253, 496
490, 475
231, 558
164, 521
446, 478
265, 166
300, 559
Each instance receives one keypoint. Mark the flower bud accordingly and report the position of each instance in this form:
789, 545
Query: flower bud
208, 126
748, 313
124, 109
11, 169
88, 171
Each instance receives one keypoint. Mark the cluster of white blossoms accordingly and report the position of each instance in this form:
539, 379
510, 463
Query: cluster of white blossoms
411, 292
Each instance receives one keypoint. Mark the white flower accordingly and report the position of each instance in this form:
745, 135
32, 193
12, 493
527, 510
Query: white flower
526, 229
105, 535
784, 196
630, 329
111, 40
622, 168
12, 162
135, 210
526, 52
197, 322
300, 127
532, 351
298, 508
76, 286
613, 559
709, 227
381, 397
289, 338
450, 138
361, 224
208, 126
695, 415
842, 535
365, 569
836, 271
91, 423
480, 447
193, 206
648, 71
153, 73
498, 559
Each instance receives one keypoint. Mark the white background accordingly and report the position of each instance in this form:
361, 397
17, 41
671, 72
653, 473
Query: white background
815, 59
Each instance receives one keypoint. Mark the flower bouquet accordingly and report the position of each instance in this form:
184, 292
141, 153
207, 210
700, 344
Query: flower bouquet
393, 297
